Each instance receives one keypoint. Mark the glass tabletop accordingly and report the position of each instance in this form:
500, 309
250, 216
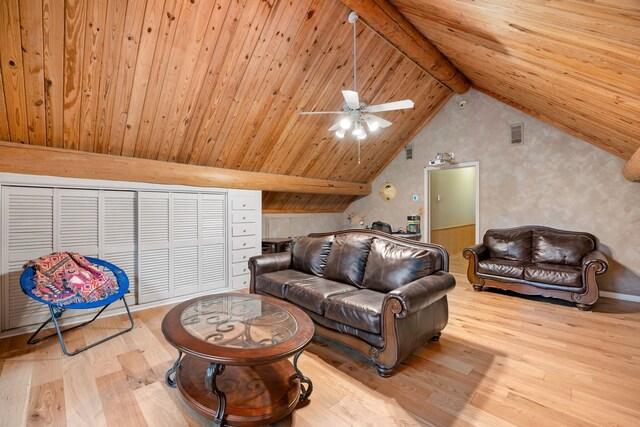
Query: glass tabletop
238, 321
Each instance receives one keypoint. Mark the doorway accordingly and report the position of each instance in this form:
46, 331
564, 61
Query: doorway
452, 207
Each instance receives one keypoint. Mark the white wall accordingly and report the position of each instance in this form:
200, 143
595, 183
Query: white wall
456, 205
553, 179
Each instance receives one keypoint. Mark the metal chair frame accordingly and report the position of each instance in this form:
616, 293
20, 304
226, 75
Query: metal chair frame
27, 284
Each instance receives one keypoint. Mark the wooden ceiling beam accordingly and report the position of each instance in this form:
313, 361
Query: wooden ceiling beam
391, 25
631, 169
29, 159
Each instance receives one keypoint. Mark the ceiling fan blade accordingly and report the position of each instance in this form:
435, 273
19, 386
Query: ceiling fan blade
334, 127
321, 112
389, 106
381, 122
351, 99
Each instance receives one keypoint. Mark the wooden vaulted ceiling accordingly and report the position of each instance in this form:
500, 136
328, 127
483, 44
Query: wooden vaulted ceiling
220, 83
573, 63
206, 82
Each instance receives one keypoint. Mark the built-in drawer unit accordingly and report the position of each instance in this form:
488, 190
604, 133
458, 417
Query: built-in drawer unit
243, 230
240, 268
245, 234
244, 204
242, 255
243, 217
239, 282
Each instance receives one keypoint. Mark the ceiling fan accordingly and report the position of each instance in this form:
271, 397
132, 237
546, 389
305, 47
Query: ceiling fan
356, 113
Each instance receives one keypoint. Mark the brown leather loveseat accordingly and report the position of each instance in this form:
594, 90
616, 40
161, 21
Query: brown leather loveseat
538, 260
380, 295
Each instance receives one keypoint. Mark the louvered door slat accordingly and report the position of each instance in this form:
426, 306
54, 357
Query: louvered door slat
213, 217
78, 221
29, 221
23, 310
154, 218
120, 218
185, 270
213, 267
154, 275
185, 217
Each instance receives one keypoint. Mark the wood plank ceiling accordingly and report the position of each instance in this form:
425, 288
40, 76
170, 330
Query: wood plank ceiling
573, 63
203, 82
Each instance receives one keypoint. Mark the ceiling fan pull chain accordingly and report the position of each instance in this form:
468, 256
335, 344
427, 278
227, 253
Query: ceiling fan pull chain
358, 150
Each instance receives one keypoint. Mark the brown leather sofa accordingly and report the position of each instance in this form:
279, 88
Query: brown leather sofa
380, 295
538, 260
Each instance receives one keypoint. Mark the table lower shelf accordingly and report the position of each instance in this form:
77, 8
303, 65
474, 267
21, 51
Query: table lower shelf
256, 395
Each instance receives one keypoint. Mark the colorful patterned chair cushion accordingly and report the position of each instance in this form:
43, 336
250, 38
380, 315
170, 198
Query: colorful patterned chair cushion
66, 278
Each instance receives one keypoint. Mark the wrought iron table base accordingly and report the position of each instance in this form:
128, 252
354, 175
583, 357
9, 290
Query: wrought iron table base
173, 371
305, 392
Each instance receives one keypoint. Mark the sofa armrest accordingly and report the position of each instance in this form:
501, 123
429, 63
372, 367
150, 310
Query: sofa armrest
597, 259
269, 263
480, 252
421, 293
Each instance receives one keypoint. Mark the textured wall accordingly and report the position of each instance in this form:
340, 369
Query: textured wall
553, 179
291, 225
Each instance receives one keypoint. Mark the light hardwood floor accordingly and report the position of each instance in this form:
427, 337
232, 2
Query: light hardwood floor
502, 360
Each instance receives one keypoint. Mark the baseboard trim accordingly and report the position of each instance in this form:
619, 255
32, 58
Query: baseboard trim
619, 296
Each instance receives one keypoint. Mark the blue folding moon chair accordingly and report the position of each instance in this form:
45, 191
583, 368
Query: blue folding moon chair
27, 283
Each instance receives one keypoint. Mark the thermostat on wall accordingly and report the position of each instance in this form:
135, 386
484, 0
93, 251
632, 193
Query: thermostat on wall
414, 197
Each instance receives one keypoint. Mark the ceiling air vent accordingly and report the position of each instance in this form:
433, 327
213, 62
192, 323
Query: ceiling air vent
408, 151
517, 133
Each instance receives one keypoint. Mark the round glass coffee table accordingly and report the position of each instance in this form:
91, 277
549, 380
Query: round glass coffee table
232, 362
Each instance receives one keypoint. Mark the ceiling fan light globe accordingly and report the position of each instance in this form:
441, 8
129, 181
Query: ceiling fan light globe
362, 135
340, 133
345, 123
357, 131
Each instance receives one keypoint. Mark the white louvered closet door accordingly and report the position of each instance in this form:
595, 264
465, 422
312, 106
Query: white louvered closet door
185, 243
154, 256
78, 221
120, 235
28, 233
212, 211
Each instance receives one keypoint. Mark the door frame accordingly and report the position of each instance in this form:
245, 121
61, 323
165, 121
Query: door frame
427, 196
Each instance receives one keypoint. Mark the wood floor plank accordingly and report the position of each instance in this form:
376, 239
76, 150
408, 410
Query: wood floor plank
81, 395
15, 386
137, 369
46, 405
157, 407
120, 406
502, 360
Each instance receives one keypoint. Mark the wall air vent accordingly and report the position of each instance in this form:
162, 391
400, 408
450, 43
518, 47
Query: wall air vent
408, 151
517, 133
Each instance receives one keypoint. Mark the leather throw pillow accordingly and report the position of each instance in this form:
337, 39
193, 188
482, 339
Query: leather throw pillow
560, 248
310, 254
390, 266
348, 258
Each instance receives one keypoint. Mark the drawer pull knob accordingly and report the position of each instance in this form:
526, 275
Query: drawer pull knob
244, 244
244, 231
244, 257
244, 269
244, 205
244, 217
244, 283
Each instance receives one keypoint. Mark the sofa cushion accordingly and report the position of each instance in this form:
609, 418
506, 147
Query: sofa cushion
360, 309
310, 254
275, 283
502, 267
348, 258
390, 266
311, 293
512, 244
554, 274
375, 340
560, 248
